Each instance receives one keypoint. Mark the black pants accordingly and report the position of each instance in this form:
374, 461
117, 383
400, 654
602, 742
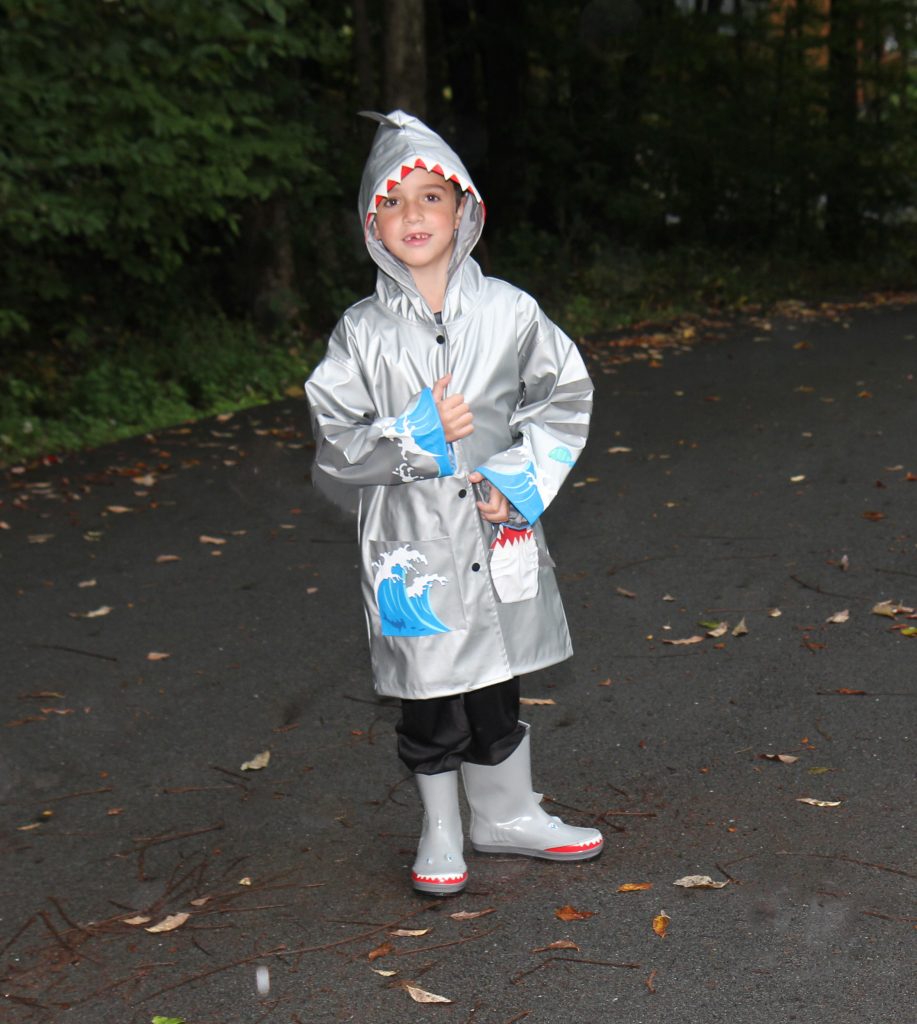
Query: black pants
436, 735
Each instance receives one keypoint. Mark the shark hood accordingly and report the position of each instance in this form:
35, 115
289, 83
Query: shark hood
403, 143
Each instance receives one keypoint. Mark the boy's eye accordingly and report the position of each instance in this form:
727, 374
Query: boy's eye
433, 197
389, 203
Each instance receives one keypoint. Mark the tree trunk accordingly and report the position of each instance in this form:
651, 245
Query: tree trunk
842, 188
405, 57
364, 56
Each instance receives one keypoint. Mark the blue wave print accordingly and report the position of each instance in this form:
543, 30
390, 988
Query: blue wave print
423, 426
404, 607
520, 489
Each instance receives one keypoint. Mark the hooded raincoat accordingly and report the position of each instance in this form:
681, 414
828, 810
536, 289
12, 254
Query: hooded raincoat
452, 604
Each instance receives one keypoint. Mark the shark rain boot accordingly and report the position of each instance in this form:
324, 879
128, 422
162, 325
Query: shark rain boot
439, 868
506, 816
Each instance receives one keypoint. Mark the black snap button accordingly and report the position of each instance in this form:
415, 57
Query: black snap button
441, 339
462, 493
475, 566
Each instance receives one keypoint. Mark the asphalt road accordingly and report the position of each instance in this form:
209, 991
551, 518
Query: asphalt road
774, 470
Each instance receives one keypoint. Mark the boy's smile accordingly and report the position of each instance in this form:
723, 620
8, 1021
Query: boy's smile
417, 221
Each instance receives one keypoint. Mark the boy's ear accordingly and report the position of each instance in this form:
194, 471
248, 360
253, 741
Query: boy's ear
459, 210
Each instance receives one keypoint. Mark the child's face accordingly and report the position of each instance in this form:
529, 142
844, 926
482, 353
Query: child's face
417, 220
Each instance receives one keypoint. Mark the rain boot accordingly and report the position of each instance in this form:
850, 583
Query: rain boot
439, 868
506, 816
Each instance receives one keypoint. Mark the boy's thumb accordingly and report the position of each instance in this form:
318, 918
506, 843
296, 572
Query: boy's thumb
439, 388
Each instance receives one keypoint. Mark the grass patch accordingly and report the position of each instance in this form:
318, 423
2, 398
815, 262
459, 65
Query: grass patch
88, 391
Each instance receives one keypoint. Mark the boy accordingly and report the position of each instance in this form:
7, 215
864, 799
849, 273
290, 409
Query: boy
455, 409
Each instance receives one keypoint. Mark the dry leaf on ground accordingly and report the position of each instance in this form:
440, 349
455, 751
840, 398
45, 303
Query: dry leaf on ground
420, 995
408, 932
721, 630
569, 913
258, 762
204, 539
374, 954
157, 656
117, 509
624, 593
96, 613
470, 915
688, 640
634, 887
741, 629
661, 923
699, 882
782, 758
559, 944
170, 923
536, 701
817, 803
385, 974
839, 617
160, 559
137, 920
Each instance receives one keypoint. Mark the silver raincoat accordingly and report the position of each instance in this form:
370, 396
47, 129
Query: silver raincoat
452, 603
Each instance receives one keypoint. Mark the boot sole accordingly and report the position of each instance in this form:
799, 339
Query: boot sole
542, 854
439, 888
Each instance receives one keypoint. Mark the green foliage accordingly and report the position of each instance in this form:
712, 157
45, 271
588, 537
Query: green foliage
135, 133
127, 384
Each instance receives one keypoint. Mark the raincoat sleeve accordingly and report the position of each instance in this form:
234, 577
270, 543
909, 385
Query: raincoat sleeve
353, 445
551, 419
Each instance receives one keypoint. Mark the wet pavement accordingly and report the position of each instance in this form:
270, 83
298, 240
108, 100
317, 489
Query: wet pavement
175, 605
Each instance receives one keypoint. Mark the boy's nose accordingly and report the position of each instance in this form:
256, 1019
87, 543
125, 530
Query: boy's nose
412, 212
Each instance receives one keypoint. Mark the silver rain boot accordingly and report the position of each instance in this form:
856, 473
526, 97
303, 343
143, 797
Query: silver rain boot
439, 868
506, 816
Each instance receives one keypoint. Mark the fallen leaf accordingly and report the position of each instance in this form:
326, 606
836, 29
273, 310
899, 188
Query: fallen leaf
168, 1020
661, 923
137, 920
374, 954
420, 995
470, 915
774, 613
170, 923
96, 613
157, 656
258, 762
40, 538
536, 701
559, 944
167, 558
667, 597
117, 509
200, 901
688, 640
909, 631
245, 881
782, 758
844, 563
874, 517
56, 711
741, 629
624, 593
650, 987
618, 450
385, 974
145, 481
720, 630
817, 803
699, 882
846, 691
28, 828
634, 886
839, 617
113, 811
86, 583
797, 479
408, 932
204, 539
569, 913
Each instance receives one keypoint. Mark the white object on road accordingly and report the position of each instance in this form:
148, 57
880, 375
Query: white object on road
262, 980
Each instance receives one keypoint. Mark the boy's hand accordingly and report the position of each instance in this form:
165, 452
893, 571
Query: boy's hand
454, 413
496, 508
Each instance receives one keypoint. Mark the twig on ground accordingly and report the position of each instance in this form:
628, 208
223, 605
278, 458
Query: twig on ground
847, 860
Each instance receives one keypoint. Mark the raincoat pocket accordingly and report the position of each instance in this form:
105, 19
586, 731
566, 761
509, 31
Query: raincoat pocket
514, 562
416, 587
